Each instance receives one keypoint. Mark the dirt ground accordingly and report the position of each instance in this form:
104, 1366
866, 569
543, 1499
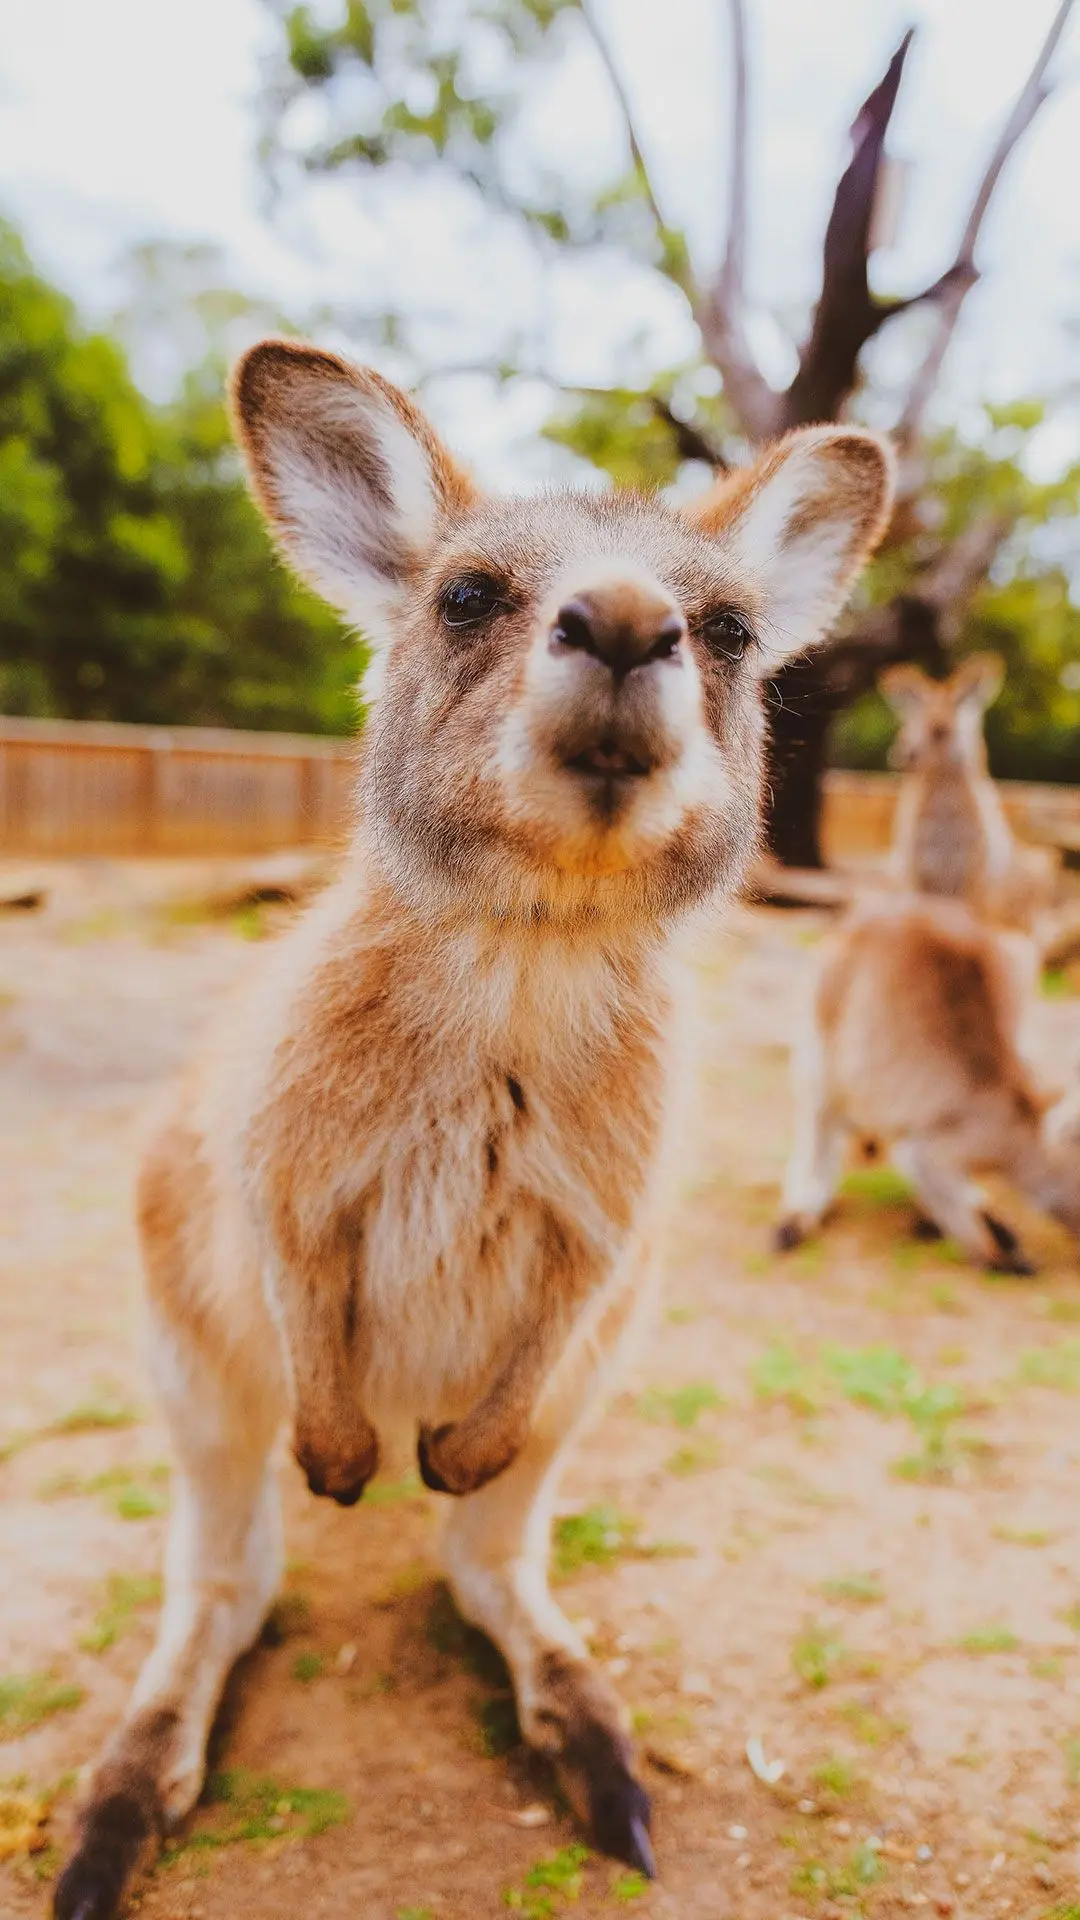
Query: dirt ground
834, 1511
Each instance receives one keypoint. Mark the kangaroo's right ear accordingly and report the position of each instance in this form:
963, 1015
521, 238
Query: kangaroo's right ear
905, 688
978, 680
351, 477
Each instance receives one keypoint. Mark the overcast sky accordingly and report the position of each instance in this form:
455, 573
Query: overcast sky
127, 119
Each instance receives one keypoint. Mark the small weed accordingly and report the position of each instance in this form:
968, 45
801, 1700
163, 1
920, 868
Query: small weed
781, 1378
863, 1588
1025, 1536
842, 1882
101, 1413
682, 1406
1057, 1367
1071, 1617
551, 1885
836, 1776
698, 1456
308, 1666
628, 1887
415, 1913
1071, 1749
126, 1592
1064, 1310
868, 1727
991, 1639
596, 1537
816, 1654
1055, 984
943, 1297
249, 922
680, 1316
26, 1699
408, 1580
1049, 1668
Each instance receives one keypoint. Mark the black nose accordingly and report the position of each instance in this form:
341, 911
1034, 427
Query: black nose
622, 643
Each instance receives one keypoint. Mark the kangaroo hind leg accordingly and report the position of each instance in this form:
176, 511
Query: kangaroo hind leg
223, 1398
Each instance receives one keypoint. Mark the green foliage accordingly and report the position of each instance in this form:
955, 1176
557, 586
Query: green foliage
137, 581
594, 1538
683, 1406
816, 1654
1027, 611
551, 1885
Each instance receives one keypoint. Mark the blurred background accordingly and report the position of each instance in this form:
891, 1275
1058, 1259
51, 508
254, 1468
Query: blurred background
606, 241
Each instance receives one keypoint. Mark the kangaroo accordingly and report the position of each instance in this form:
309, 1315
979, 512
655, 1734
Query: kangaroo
419, 1178
951, 835
912, 1040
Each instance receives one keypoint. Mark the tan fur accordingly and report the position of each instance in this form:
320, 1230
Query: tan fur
951, 835
419, 1177
913, 1041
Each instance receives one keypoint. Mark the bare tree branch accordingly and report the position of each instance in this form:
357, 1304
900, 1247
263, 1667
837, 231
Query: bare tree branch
954, 576
721, 313
691, 443
603, 48
847, 314
950, 292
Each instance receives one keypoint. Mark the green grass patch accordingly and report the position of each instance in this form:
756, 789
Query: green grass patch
628, 1887
840, 1881
1025, 1536
698, 1456
249, 1807
681, 1406
551, 1885
129, 1495
26, 1699
880, 1186
1057, 1367
782, 1377
868, 1727
126, 1593
1045, 1667
599, 1536
681, 1316
994, 1638
862, 1589
308, 1666
816, 1655
837, 1776
408, 1491
1070, 1747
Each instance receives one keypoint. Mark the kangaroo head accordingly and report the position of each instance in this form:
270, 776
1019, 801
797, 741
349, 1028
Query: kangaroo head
941, 721
565, 690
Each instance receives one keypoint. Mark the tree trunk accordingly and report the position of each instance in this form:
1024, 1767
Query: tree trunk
801, 712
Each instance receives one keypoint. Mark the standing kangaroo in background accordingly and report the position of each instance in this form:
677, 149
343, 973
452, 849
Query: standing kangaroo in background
951, 835
421, 1176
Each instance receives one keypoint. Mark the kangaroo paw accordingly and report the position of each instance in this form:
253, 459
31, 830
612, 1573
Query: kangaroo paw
453, 1460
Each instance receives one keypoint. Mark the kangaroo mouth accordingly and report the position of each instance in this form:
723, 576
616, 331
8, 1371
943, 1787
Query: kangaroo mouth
607, 760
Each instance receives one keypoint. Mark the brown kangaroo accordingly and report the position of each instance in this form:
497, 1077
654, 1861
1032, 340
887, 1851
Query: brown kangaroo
951, 835
420, 1177
913, 1040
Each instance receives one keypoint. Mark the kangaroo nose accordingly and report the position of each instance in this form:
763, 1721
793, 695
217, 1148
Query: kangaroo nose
621, 635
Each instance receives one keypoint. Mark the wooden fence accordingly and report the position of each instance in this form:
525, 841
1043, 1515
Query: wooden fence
82, 788
68, 789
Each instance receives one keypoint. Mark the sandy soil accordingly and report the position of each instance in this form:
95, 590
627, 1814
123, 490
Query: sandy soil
842, 1518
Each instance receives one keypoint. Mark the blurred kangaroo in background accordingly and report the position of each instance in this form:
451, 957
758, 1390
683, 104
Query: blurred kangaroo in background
420, 1177
951, 835
912, 1040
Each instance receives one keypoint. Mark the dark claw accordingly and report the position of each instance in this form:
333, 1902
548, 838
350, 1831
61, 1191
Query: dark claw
924, 1228
787, 1235
621, 1817
430, 1475
116, 1831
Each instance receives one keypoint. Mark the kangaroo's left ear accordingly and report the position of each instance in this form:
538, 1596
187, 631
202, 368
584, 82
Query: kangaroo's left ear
800, 523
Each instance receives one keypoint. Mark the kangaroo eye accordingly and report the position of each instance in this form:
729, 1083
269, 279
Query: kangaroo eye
473, 598
727, 633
